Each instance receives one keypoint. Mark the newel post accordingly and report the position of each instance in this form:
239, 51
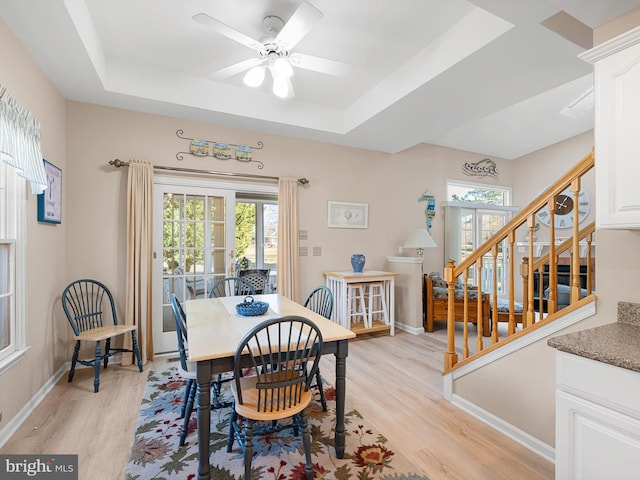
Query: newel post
450, 356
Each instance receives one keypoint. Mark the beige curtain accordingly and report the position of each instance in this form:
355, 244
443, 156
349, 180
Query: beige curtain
288, 260
139, 251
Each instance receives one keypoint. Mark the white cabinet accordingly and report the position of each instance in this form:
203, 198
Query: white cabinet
597, 420
617, 139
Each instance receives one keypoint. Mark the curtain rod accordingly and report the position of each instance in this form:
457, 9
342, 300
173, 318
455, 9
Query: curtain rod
119, 163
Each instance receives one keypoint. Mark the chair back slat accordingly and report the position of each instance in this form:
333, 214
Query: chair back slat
230, 287
279, 349
85, 303
258, 278
320, 301
181, 330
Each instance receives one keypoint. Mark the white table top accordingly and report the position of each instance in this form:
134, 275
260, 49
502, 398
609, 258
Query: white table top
347, 274
215, 330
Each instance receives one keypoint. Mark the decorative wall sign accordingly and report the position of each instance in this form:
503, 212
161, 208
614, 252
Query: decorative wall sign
222, 151
50, 202
483, 168
348, 215
430, 207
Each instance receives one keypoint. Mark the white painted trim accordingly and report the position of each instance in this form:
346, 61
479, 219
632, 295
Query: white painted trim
615, 45
480, 206
523, 438
447, 387
411, 330
15, 357
416, 260
236, 186
14, 424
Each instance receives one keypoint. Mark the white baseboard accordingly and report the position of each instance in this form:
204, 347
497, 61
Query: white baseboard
411, 330
16, 422
523, 438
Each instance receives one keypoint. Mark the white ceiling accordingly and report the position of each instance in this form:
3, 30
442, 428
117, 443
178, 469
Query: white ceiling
478, 75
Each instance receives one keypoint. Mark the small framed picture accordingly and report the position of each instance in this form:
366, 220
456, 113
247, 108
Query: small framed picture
50, 202
348, 215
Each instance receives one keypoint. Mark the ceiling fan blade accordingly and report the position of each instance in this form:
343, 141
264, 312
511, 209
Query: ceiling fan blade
232, 70
319, 64
223, 29
300, 23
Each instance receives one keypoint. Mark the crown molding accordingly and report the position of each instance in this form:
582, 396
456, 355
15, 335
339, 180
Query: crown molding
615, 45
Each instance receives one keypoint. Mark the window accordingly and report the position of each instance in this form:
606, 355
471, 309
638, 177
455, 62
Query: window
257, 230
473, 213
12, 266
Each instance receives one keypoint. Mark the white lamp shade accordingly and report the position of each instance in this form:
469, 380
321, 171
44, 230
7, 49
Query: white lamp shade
282, 68
254, 77
420, 239
280, 87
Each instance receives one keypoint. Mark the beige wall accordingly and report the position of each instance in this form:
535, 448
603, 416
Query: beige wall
46, 254
616, 27
390, 184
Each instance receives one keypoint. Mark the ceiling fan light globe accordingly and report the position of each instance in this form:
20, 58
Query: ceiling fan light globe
283, 68
254, 77
280, 87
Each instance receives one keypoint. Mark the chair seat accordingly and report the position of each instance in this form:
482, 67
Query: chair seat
89, 307
503, 306
102, 333
249, 407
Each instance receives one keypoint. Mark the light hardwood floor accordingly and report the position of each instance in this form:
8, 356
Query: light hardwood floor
395, 383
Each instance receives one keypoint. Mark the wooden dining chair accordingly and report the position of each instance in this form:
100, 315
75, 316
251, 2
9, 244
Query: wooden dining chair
230, 287
320, 301
188, 372
258, 278
90, 309
279, 388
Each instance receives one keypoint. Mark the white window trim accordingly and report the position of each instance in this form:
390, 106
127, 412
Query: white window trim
473, 185
16, 218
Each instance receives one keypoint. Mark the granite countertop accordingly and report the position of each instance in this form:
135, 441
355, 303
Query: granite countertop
616, 344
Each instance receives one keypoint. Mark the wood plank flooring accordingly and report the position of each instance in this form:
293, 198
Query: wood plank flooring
395, 383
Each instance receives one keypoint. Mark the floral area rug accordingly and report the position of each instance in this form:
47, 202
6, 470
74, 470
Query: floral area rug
155, 453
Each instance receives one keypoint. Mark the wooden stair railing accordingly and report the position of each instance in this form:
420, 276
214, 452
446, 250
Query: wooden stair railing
504, 241
543, 265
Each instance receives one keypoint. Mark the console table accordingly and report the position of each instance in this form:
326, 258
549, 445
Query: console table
337, 282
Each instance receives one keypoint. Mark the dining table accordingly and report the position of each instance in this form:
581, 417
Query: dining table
215, 329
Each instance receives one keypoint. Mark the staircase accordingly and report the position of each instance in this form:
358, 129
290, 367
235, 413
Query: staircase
574, 250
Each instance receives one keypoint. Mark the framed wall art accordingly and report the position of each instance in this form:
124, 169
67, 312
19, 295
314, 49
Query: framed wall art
50, 202
348, 215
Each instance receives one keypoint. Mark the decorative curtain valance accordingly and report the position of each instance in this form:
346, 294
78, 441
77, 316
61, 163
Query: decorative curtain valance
20, 141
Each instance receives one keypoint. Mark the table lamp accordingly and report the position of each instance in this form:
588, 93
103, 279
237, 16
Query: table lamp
420, 239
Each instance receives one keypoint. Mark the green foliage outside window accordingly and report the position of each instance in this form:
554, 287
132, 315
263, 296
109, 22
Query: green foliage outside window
191, 241
483, 196
245, 227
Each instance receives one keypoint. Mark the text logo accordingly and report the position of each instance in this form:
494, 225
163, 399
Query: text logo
50, 467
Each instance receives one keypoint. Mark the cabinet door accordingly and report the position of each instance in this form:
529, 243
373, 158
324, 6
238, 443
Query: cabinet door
617, 143
594, 442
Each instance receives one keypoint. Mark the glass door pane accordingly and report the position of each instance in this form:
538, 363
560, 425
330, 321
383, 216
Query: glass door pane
193, 244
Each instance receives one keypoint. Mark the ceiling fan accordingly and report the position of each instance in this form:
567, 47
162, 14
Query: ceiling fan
274, 51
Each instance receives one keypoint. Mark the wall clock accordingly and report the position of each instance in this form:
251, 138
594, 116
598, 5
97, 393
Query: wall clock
565, 205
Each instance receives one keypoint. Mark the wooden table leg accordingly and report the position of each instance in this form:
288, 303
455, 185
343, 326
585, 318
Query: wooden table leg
203, 377
341, 369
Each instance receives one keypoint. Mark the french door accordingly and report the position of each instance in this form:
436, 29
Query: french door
193, 247
477, 227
